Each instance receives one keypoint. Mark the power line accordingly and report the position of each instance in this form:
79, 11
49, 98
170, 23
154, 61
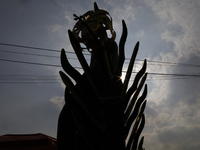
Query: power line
42, 64
32, 63
51, 82
25, 79
172, 63
5, 51
47, 80
39, 81
53, 77
28, 82
31, 54
31, 47
26, 75
157, 63
10, 80
53, 50
184, 75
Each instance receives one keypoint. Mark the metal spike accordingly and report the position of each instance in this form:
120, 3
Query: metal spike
77, 96
130, 68
135, 84
130, 107
141, 127
141, 143
96, 6
133, 133
68, 68
86, 68
121, 47
135, 111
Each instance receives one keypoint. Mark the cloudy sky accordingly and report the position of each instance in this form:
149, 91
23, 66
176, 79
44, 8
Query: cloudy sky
31, 92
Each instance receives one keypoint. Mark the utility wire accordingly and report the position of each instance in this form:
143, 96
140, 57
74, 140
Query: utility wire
157, 74
53, 50
8, 79
160, 76
42, 64
27, 82
32, 63
38, 48
30, 47
56, 81
31, 54
157, 63
5, 51
172, 63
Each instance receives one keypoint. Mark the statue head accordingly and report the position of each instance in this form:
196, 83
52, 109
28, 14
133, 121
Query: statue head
91, 28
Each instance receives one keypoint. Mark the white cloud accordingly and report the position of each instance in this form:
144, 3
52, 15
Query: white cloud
120, 10
58, 102
58, 30
182, 24
172, 113
140, 33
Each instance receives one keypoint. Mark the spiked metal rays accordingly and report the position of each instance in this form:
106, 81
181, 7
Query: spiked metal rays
100, 109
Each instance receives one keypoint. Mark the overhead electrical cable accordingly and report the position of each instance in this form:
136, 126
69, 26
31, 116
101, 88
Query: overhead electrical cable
53, 50
26, 82
153, 76
157, 63
38, 48
29, 54
56, 80
32, 63
30, 47
51, 65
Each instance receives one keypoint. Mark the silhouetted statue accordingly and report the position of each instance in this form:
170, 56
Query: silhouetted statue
98, 111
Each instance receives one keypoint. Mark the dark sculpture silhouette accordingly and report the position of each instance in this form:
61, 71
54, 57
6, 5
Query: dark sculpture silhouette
98, 111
